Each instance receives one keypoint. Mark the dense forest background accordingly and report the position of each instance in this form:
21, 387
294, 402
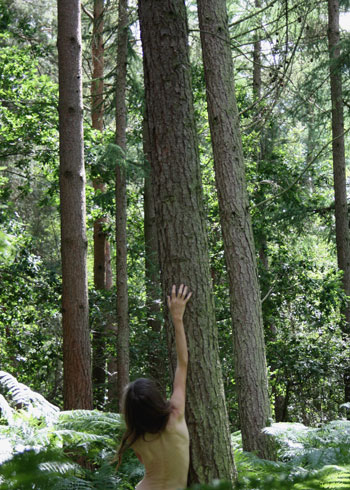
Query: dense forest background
282, 73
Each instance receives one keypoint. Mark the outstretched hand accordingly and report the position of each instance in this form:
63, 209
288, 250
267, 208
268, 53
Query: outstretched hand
177, 301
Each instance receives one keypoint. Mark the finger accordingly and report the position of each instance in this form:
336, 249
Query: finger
184, 292
188, 296
168, 301
180, 289
173, 292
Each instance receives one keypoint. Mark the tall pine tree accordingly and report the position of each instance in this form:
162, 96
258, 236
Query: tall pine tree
183, 247
75, 307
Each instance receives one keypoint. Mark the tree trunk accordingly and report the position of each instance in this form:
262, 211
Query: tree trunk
257, 62
97, 112
97, 84
245, 302
152, 275
75, 308
120, 196
339, 171
101, 244
183, 247
260, 238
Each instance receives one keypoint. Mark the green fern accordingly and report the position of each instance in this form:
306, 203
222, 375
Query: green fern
309, 458
22, 396
40, 446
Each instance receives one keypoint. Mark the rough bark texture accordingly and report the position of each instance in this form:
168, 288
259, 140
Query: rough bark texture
152, 274
76, 339
120, 196
183, 248
248, 333
339, 169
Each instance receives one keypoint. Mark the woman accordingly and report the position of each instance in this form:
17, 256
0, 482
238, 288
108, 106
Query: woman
156, 428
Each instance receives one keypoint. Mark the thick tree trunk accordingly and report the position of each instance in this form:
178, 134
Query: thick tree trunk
339, 170
75, 308
183, 248
120, 196
248, 333
152, 275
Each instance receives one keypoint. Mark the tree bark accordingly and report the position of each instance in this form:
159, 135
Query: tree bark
183, 247
75, 318
339, 171
97, 84
120, 196
152, 274
101, 244
245, 302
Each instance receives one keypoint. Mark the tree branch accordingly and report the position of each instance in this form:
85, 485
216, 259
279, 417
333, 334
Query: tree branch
253, 14
87, 12
295, 181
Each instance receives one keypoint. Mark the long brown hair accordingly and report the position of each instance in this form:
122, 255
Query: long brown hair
145, 410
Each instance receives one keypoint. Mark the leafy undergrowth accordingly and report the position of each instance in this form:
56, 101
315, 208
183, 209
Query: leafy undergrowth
43, 448
307, 458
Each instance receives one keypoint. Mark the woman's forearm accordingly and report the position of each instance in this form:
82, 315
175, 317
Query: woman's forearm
181, 342
177, 304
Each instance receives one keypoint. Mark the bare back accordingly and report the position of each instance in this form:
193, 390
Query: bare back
165, 456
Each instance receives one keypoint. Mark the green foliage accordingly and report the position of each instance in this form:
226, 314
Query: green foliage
29, 318
41, 447
28, 123
6, 245
307, 459
294, 227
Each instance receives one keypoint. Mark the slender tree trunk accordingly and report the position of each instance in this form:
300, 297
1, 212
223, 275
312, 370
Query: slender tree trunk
183, 247
120, 195
75, 308
257, 62
339, 171
97, 112
261, 154
156, 356
101, 244
97, 84
248, 333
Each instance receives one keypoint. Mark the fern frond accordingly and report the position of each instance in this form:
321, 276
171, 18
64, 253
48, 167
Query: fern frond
91, 421
22, 395
73, 483
55, 467
83, 439
6, 411
105, 478
41, 467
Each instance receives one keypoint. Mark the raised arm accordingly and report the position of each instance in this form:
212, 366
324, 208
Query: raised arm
177, 304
